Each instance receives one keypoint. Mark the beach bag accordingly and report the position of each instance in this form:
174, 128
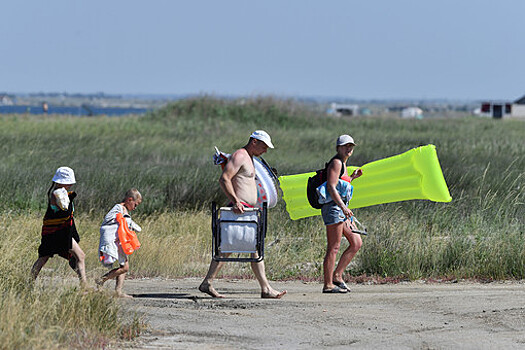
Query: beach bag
128, 238
317, 180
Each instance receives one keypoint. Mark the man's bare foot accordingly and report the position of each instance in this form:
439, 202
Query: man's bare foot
273, 294
123, 295
208, 289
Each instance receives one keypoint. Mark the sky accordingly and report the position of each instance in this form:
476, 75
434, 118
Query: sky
374, 49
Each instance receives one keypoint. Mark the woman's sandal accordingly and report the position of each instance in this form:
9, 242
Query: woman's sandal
342, 285
336, 289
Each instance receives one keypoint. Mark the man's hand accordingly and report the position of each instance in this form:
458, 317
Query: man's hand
238, 208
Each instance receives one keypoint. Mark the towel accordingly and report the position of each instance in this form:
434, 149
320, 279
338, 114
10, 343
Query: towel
344, 188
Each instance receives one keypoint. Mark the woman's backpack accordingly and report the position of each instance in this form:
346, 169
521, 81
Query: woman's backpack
317, 180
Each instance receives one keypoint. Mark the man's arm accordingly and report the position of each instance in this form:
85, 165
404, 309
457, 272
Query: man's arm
230, 170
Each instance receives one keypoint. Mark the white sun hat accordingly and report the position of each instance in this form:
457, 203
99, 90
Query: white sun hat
64, 176
262, 136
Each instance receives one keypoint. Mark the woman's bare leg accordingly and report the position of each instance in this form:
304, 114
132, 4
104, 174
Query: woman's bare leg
333, 237
355, 244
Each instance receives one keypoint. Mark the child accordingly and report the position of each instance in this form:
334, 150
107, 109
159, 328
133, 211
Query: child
59, 233
110, 249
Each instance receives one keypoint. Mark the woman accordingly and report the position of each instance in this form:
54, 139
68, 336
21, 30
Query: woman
338, 219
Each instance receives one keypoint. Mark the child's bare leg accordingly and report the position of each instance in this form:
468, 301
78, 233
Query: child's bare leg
115, 274
118, 286
81, 266
37, 266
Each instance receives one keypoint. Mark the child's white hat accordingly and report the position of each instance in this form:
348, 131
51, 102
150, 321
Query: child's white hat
64, 176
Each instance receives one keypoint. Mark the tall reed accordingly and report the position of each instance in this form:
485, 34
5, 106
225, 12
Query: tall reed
167, 155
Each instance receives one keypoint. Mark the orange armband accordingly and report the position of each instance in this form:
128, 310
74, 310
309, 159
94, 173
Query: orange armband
128, 238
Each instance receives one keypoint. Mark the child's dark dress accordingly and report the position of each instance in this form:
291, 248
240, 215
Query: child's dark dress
58, 230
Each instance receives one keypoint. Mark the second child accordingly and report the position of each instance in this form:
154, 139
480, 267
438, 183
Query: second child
110, 248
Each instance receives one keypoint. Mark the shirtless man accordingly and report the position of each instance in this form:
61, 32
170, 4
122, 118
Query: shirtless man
238, 183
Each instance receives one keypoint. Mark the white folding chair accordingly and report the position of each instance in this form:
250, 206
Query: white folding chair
239, 234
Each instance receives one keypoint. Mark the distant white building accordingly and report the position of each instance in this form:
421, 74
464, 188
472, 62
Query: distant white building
6, 100
517, 109
412, 112
340, 110
504, 109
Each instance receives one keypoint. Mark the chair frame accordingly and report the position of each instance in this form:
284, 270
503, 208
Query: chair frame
262, 215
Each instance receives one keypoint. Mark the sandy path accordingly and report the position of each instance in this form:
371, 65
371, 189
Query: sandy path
402, 316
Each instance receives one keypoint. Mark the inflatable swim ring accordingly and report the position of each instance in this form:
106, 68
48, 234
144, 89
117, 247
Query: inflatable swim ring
265, 179
266, 182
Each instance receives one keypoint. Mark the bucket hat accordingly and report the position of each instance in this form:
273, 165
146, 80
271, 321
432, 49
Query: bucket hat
64, 176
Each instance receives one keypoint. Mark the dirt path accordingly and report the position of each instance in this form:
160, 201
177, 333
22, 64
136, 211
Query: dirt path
402, 316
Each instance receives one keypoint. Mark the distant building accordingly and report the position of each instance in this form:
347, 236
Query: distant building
6, 100
340, 110
412, 112
504, 109
518, 108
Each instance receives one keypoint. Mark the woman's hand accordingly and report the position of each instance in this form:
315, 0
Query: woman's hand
356, 174
348, 213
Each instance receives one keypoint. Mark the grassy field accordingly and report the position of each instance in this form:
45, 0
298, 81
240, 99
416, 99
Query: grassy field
167, 155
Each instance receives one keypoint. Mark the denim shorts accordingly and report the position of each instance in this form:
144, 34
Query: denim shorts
332, 214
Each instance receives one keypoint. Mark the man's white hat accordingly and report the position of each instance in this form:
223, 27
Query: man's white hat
64, 176
262, 136
345, 139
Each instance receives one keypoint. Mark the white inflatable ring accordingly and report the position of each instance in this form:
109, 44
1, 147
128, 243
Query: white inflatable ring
266, 184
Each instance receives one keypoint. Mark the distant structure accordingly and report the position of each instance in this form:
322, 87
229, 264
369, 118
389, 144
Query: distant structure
503, 109
341, 110
6, 100
412, 112
518, 108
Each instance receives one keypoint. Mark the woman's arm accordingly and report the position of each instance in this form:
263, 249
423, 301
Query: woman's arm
333, 171
332, 179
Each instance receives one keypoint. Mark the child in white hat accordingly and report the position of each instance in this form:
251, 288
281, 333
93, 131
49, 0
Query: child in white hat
59, 233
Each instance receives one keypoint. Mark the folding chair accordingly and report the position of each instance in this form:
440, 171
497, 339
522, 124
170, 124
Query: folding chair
241, 234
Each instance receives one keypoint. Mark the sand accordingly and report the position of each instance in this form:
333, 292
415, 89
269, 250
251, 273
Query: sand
410, 315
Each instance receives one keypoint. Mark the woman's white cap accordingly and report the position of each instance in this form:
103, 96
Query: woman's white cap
64, 176
262, 136
344, 140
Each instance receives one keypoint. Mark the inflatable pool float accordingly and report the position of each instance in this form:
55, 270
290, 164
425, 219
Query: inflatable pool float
265, 178
415, 174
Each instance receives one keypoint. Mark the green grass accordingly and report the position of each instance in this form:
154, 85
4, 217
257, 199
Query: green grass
51, 313
167, 155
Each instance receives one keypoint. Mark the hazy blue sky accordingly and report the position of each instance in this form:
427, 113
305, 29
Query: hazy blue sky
455, 49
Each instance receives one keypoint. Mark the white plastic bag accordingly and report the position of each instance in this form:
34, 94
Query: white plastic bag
62, 198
